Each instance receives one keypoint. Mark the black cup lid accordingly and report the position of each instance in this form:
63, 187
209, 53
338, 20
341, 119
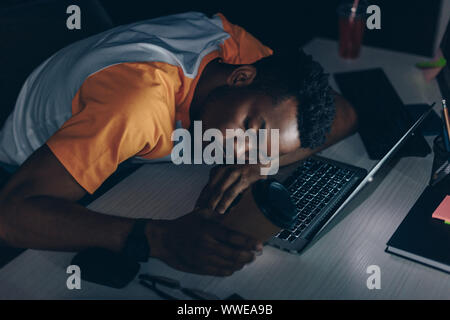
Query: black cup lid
275, 202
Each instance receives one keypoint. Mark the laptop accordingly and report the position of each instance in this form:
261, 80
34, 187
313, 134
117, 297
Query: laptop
321, 188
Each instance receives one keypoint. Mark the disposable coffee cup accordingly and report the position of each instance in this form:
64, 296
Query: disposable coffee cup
262, 211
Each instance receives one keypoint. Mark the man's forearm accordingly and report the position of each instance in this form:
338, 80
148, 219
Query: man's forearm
48, 223
344, 124
38, 209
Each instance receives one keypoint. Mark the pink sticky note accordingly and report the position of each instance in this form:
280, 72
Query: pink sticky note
443, 211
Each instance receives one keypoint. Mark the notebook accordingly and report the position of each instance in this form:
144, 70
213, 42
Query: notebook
422, 238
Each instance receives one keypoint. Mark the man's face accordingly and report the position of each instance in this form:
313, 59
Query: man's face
234, 108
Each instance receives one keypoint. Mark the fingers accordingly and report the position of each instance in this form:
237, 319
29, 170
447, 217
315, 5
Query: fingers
216, 174
228, 183
216, 188
222, 260
229, 196
223, 188
196, 244
236, 256
233, 238
219, 262
215, 258
205, 212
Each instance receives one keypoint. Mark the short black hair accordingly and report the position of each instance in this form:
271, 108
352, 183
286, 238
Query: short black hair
288, 74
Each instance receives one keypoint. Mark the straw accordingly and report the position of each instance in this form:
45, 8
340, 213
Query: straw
354, 7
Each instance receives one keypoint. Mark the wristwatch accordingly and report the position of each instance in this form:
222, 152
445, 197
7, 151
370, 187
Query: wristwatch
136, 245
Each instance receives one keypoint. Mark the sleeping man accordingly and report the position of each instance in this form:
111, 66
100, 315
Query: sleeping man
120, 95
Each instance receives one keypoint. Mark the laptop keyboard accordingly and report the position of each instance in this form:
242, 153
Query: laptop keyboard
312, 186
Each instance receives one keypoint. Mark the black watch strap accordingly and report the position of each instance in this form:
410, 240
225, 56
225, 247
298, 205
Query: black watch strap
136, 244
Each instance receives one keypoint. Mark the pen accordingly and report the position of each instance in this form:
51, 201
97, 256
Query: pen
441, 173
153, 288
150, 281
447, 126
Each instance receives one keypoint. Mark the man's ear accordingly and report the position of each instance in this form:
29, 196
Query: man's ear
242, 76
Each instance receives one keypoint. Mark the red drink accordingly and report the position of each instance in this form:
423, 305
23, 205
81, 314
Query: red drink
351, 30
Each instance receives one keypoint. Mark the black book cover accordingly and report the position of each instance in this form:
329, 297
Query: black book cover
426, 239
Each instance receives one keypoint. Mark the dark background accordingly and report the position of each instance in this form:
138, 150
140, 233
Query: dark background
32, 30
407, 25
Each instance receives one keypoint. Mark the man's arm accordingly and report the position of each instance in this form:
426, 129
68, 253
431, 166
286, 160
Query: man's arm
38, 210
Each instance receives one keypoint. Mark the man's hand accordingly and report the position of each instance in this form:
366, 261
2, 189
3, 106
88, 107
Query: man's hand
226, 182
196, 244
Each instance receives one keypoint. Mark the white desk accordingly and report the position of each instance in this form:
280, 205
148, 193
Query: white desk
333, 267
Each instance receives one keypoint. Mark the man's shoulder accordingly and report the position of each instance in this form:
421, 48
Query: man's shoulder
133, 84
137, 75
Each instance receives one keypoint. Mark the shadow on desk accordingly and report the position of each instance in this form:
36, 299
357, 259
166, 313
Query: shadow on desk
125, 169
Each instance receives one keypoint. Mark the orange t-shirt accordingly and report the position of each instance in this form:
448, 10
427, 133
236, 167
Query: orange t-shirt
130, 109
